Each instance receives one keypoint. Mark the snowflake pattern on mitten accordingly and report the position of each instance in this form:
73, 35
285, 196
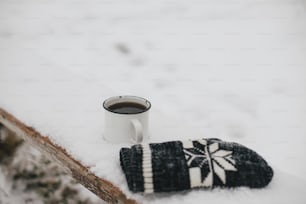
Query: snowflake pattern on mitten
201, 155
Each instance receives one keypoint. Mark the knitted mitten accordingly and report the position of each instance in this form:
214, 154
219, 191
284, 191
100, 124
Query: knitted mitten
181, 165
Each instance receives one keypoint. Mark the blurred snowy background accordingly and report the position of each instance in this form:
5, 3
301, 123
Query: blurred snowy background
27, 176
233, 69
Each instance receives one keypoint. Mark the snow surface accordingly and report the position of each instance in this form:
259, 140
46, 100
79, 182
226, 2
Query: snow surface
233, 69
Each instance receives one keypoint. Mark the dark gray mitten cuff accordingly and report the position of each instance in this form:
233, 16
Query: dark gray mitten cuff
182, 165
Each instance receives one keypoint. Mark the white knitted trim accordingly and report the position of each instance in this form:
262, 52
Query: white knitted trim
147, 169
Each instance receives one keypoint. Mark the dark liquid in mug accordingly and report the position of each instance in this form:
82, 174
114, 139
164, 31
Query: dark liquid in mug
127, 108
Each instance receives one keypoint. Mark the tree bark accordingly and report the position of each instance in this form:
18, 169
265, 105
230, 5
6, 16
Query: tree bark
99, 186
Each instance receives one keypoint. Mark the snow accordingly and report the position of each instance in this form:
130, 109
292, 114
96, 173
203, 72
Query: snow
231, 69
26, 180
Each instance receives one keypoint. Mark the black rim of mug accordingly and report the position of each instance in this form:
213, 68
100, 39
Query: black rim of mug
148, 106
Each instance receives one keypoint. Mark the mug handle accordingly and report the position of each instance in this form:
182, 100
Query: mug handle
138, 136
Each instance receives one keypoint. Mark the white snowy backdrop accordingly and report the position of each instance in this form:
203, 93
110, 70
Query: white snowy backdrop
233, 69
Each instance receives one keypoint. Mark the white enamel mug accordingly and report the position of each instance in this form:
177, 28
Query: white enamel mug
126, 119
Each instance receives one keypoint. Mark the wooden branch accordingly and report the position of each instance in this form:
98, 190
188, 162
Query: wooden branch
99, 186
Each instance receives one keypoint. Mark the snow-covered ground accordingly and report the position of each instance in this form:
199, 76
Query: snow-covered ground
28, 176
233, 69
